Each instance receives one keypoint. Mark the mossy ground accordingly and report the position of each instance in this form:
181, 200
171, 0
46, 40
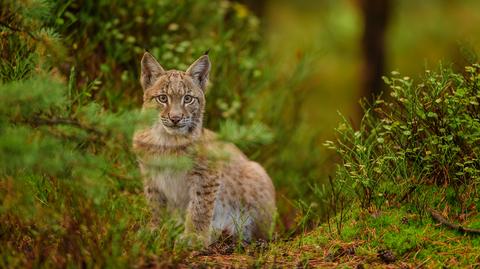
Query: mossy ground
415, 242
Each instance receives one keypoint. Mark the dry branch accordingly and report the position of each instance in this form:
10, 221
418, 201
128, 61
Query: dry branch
439, 218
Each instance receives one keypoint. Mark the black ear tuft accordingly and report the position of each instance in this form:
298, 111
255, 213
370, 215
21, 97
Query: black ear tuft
206, 52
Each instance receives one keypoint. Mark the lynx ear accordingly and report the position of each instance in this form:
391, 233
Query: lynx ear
199, 71
151, 70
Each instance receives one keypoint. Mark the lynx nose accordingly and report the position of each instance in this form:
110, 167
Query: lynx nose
175, 119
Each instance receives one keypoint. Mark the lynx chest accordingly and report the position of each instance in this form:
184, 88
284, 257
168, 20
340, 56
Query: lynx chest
174, 185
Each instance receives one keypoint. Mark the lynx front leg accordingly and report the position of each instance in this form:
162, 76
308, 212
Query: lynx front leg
157, 201
155, 197
198, 221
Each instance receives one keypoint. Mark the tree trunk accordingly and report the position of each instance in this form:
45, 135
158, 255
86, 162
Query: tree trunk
376, 16
256, 6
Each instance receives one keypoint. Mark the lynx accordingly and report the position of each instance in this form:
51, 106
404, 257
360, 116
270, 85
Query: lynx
222, 192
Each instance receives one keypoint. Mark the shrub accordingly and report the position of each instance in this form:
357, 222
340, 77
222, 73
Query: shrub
422, 145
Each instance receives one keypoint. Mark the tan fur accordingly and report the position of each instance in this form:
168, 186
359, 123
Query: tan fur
222, 191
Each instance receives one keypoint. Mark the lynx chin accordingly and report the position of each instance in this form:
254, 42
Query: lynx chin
221, 191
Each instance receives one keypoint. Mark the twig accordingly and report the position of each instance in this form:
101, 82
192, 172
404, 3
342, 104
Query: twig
62, 135
15, 29
407, 193
118, 176
439, 218
423, 263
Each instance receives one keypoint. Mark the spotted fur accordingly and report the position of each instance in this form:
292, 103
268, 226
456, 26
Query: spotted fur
222, 192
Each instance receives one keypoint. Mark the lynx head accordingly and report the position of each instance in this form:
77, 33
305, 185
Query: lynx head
178, 96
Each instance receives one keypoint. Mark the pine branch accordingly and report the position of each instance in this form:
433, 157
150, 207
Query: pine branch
36, 121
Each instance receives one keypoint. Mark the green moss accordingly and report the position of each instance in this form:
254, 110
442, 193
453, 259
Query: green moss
410, 238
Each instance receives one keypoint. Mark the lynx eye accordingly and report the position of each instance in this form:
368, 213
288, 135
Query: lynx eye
162, 98
187, 99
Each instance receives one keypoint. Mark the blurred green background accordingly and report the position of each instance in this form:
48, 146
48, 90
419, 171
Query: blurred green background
419, 35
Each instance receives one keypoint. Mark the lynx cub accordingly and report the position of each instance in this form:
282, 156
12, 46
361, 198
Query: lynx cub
230, 195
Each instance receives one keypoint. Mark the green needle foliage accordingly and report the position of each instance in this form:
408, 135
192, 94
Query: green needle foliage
69, 187
70, 190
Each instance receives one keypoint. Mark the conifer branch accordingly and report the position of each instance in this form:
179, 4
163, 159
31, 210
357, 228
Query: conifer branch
36, 121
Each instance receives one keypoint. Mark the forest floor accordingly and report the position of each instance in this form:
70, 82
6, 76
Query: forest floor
390, 239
